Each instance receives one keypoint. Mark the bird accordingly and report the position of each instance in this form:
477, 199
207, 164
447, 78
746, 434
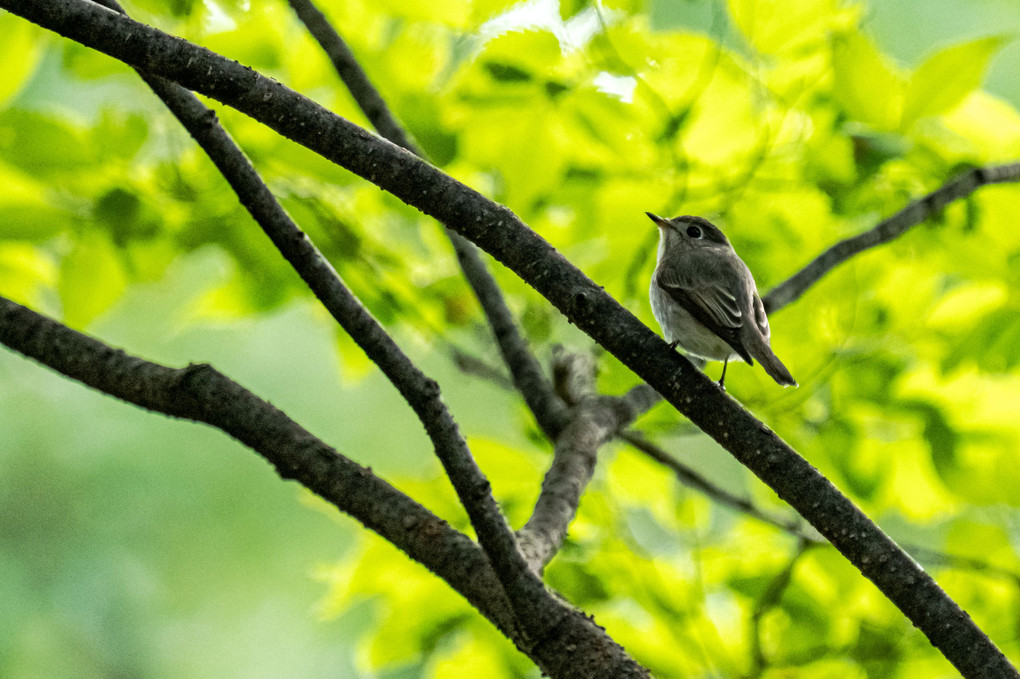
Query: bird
705, 298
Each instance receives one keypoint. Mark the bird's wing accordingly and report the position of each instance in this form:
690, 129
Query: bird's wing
759, 315
714, 304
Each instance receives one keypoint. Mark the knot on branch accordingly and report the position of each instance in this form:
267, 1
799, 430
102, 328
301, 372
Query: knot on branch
573, 375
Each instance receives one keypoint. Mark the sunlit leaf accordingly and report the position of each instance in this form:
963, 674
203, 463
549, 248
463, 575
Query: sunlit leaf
867, 84
784, 121
92, 278
775, 26
569, 8
947, 76
20, 51
43, 144
32, 221
25, 273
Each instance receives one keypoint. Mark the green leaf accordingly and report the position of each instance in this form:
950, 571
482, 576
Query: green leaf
569, 8
92, 278
530, 53
43, 144
32, 221
867, 85
483, 10
777, 26
118, 136
941, 437
20, 51
946, 77
25, 272
507, 73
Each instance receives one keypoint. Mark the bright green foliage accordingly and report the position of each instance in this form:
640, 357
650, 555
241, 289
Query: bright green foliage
781, 119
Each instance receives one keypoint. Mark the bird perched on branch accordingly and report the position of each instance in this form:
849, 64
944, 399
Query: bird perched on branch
705, 299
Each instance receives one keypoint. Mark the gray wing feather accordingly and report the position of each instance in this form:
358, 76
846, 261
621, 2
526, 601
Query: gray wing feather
759, 316
714, 293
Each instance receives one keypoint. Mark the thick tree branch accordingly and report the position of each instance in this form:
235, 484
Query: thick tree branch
528, 596
201, 394
500, 233
684, 474
889, 229
539, 617
549, 412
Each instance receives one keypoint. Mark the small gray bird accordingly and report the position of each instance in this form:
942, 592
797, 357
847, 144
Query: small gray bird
705, 299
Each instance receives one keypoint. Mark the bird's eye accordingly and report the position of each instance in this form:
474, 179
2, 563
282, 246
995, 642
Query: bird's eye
694, 232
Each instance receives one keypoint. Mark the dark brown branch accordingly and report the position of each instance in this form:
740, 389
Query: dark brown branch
684, 474
500, 233
546, 620
201, 394
913, 214
549, 412
347, 67
421, 393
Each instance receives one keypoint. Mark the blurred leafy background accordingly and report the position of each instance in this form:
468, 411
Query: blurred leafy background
131, 545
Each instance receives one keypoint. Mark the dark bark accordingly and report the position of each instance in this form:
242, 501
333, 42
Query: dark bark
200, 393
568, 644
531, 382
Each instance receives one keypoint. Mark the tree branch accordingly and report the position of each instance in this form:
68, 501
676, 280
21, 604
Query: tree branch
200, 393
537, 617
500, 233
549, 412
889, 229
593, 421
527, 594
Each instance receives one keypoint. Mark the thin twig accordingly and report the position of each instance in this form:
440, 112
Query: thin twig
684, 474
693, 479
889, 229
549, 412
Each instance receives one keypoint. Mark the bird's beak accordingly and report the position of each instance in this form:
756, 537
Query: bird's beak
659, 221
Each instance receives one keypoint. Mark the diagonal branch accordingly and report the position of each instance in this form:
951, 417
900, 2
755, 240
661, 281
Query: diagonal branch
200, 393
500, 233
526, 593
365, 95
525, 370
889, 229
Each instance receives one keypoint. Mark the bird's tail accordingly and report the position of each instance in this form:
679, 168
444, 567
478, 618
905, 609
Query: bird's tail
762, 351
